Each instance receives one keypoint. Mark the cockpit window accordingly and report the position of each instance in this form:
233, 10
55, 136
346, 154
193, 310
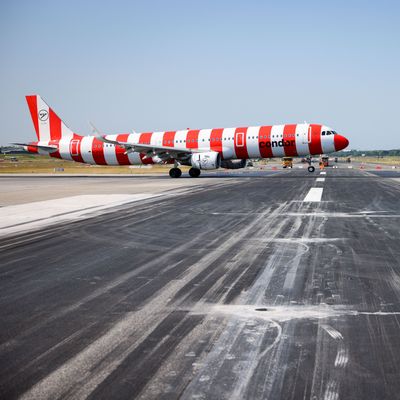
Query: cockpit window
326, 133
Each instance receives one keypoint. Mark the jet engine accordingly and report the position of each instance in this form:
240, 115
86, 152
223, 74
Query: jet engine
158, 159
233, 164
210, 160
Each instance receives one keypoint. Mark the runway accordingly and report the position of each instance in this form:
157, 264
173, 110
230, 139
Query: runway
242, 285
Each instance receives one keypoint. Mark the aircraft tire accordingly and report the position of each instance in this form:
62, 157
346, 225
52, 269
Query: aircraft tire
194, 172
311, 168
175, 173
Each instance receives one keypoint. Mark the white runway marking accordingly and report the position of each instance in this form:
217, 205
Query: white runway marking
322, 173
23, 217
314, 194
320, 179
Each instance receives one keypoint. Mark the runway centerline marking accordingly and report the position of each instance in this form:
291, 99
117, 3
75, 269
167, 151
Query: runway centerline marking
313, 195
320, 179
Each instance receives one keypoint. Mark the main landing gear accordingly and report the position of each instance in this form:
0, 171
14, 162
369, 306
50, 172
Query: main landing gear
194, 172
176, 172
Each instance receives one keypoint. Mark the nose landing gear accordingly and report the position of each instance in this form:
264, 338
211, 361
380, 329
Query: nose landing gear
310, 167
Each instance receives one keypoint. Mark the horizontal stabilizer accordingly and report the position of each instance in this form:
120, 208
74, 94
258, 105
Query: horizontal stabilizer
49, 149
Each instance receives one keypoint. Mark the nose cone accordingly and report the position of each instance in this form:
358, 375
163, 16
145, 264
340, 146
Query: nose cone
340, 142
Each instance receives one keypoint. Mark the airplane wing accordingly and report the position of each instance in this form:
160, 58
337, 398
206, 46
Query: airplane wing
150, 150
144, 148
50, 149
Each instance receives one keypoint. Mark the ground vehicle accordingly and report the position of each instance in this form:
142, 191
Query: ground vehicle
325, 161
287, 162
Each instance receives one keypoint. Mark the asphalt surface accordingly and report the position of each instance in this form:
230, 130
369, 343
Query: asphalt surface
233, 290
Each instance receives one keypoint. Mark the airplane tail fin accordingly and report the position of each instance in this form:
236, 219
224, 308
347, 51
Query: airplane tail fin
48, 125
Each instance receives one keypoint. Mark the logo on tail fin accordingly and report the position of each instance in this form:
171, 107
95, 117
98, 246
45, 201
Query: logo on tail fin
43, 115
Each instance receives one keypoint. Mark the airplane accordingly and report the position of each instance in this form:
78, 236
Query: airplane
201, 149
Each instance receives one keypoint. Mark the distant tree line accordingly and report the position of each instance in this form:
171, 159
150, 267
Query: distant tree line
367, 153
12, 150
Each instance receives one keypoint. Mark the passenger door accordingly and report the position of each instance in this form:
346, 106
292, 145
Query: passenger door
306, 136
239, 139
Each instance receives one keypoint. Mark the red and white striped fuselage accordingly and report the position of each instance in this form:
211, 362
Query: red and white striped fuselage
232, 143
199, 148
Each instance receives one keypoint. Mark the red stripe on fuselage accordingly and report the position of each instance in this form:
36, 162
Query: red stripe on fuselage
145, 137
315, 146
216, 140
55, 126
56, 154
264, 141
289, 140
32, 104
240, 142
122, 158
169, 138
192, 139
98, 152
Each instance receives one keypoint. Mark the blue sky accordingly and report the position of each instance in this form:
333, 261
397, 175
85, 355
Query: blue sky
169, 65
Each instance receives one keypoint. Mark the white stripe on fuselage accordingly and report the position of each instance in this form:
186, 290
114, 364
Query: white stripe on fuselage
204, 139
180, 138
86, 149
302, 139
228, 148
134, 158
276, 136
109, 152
64, 147
253, 148
327, 143
157, 138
